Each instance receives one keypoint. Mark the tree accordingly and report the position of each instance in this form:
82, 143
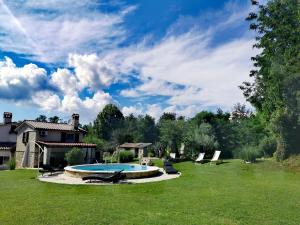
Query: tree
75, 156
203, 117
276, 87
201, 139
54, 119
172, 133
41, 118
167, 116
147, 129
109, 119
240, 112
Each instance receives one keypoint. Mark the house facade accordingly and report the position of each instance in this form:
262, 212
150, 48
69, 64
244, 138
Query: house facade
47, 143
138, 149
8, 138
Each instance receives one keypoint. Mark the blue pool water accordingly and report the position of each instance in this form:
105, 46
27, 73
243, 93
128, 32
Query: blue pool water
110, 167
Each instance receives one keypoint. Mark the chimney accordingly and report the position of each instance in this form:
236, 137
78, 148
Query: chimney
7, 117
75, 120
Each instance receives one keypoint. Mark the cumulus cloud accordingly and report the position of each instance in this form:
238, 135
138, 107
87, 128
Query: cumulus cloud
58, 92
19, 83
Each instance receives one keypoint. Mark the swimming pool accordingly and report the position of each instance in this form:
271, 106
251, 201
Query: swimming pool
130, 170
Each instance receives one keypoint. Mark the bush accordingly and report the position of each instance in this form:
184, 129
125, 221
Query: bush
75, 156
268, 146
126, 156
12, 163
249, 154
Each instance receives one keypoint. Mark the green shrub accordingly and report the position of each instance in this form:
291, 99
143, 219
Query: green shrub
249, 154
75, 156
268, 146
126, 156
12, 163
293, 163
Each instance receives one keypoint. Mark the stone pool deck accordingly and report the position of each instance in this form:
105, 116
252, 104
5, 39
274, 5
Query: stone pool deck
61, 178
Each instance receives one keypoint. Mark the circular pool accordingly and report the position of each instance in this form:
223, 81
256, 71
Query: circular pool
130, 170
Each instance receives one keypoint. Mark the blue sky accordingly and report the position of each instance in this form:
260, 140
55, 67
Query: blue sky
63, 56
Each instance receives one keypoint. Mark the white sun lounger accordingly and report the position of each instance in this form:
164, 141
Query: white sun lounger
200, 157
215, 158
173, 155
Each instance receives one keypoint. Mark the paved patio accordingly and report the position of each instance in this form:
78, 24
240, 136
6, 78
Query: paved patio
61, 178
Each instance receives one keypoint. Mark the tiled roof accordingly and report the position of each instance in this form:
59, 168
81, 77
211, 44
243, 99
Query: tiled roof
51, 126
61, 144
135, 145
7, 145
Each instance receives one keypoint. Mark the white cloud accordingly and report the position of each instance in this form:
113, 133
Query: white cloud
93, 72
48, 31
20, 82
58, 93
187, 66
135, 110
46, 100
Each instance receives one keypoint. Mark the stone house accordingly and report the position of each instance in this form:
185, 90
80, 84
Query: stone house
138, 149
8, 138
47, 143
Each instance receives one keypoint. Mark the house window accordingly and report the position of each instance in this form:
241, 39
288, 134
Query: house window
25, 137
70, 137
63, 137
43, 133
76, 137
4, 159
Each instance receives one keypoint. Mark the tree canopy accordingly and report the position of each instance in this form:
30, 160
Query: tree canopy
276, 88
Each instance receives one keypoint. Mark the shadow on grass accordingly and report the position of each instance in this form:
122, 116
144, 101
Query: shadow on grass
205, 161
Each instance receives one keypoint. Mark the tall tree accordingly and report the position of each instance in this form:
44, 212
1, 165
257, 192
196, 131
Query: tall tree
109, 119
54, 119
276, 88
148, 129
167, 116
41, 118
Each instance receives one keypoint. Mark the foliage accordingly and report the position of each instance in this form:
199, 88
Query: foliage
54, 119
249, 154
126, 156
276, 87
41, 118
12, 163
167, 116
293, 163
172, 133
147, 129
108, 120
268, 146
240, 112
75, 156
90, 138
201, 139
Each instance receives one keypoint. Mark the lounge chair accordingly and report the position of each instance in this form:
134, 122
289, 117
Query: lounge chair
145, 161
200, 158
173, 155
168, 167
46, 168
114, 178
215, 159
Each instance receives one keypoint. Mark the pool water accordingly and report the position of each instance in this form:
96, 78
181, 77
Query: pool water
110, 167
130, 170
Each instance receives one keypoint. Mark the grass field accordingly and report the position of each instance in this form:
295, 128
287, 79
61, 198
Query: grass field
230, 193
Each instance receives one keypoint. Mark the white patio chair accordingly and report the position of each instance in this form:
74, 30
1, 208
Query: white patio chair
200, 157
173, 155
215, 158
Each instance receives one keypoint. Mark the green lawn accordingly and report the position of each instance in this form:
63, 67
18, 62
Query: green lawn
230, 193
